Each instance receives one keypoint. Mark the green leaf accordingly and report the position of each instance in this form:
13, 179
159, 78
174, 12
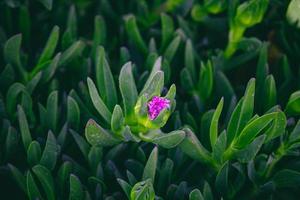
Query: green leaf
128, 90
18, 177
155, 85
196, 195
32, 84
205, 83
105, 81
189, 60
134, 34
76, 190
73, 112
99, 33
46, 180
242, 112
50, 152
96, 135
252, 129
222, 180
155, 68
82, 144
47, 3
293, 105
7, 76
11, 142
98, 102
72, 52
213, 130
172, 49
295, 134
193, 148
167, 27
63, 175
95, 156
117, 119
23, 124
165, 174
278, 125
25, 23
207, 193
12, 53
292, 13
49, 49
34, 153
270, 93
287, 178
150, 167
262, 70
169, 140
219, 148
52, 110
223, 86
142, 191
246, 155
125, 186
49, 72
32, 189
186, 80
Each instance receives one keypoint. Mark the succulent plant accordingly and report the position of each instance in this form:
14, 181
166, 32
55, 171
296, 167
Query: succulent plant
149, 100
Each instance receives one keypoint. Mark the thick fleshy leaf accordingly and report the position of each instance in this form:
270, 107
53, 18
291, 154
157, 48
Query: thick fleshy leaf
287, 178
96, 135
125, 186
150, 167
205, 83
50, 47
134, 34
50, 152
34, 153
252, 129
292, 12
46, 180
24, 128
99, 33
71, 53
98, 102
196, 195
293, 105
128, 89
73, 112
76, 190
18, 177
213, 130
167, 26
32, 188
169, 140
172, 49
242, 112
105, 80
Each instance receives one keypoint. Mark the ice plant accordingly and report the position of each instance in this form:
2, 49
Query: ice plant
156, 105
140, 116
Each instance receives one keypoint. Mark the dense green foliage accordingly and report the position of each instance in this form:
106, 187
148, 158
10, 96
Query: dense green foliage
77, 78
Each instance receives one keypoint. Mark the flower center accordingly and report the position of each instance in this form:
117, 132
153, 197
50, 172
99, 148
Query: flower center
156, 105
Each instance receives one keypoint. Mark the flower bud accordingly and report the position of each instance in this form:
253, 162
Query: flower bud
251, 12
215, 6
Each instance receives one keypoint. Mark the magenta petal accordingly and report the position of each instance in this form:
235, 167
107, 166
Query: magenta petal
156, 105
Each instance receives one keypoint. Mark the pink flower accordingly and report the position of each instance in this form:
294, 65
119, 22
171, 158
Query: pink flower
156, 105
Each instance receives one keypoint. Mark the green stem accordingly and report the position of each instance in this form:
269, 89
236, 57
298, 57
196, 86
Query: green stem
235, 35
